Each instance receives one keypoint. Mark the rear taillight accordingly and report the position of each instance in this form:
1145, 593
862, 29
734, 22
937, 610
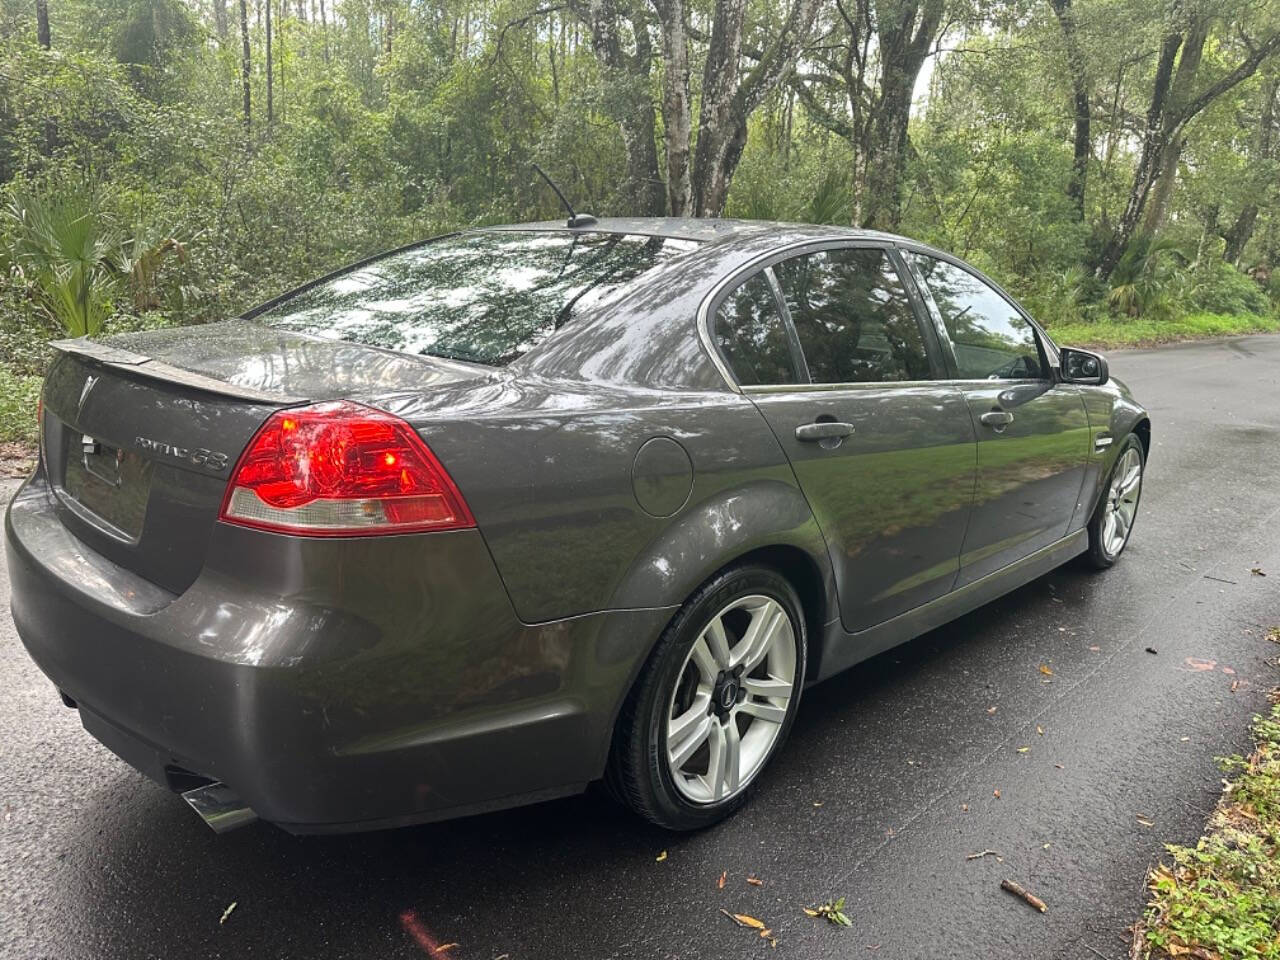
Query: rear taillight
341, 469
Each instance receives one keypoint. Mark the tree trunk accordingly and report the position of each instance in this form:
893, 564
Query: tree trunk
1148, 162
1179, 95
324, 30
1165, 124
244, 60
717, 121
677, 122
728, 99
220, 19
271, 107
42, 24
280, 54
625, 80
1240, 233
1082, 143
903, 49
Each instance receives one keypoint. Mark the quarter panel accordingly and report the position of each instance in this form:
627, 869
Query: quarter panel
547, 468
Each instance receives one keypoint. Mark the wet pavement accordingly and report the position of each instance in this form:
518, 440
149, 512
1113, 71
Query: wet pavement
888, 783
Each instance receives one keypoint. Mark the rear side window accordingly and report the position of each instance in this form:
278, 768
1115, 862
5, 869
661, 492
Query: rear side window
752, 336
989, 337
853, 317
482, 297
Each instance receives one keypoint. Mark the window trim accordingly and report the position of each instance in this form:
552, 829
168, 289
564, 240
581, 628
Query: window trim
764, 263
1044, 343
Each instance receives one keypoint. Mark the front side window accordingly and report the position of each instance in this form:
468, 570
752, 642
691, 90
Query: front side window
752, 337
990, 338
853, 317
481, 297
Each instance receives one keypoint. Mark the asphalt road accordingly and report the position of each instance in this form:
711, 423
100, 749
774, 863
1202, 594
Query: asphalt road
888, 783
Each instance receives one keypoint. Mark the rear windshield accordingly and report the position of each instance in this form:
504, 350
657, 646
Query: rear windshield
482, 297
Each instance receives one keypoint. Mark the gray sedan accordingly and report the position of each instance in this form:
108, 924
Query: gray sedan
487, 519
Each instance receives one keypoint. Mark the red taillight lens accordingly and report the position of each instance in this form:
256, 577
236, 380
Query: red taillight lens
341, 469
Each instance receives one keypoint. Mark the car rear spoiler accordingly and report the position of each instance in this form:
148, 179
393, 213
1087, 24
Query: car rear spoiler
144, 366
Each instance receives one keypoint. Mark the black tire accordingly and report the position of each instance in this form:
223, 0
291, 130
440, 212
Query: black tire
1098, 556
638, 772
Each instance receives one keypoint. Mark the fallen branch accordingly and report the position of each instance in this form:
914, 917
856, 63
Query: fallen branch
1017, 890
984, 853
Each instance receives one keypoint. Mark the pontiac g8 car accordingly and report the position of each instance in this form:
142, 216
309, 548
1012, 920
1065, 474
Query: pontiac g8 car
492, 517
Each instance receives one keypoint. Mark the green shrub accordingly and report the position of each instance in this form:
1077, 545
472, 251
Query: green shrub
1221, 288
69, 252
19, 395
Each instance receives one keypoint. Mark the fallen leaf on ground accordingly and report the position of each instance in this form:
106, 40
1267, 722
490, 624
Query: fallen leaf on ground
817, 803
1024, 749
996, 794
755, 881
1235, 685
1039, 730
227, 912
660, 857
1145, 820
1095, 649
1046, 670
1059, 766
744, 920
964, 808
831, 911
1257, 572
724, 875
991, 710
1183, 739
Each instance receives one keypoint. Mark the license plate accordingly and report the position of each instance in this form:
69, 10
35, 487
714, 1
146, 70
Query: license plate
111, 483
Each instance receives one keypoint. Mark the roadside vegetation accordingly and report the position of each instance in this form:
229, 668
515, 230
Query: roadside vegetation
1114, 163
1220, 900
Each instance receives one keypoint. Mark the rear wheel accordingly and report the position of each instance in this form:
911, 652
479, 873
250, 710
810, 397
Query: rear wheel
715, 702
1113, 519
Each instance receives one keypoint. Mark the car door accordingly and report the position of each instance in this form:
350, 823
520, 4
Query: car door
836, 353
1033, 432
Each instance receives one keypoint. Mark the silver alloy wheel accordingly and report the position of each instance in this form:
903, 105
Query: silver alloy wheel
730, 699
1122, 502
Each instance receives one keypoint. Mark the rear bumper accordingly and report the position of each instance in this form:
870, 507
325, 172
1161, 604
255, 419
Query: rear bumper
333, 684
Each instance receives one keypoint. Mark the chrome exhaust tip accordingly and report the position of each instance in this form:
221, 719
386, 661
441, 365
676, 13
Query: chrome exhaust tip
219, 807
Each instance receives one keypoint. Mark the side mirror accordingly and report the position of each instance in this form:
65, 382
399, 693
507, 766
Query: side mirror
1081, 366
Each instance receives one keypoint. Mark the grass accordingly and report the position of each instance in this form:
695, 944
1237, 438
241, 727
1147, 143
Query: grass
1220, 900
1135, 332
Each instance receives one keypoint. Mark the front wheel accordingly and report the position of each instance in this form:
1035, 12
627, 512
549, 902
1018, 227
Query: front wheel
715, 702
1112, 521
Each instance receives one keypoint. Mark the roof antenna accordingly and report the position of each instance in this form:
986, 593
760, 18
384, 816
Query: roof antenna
575, 219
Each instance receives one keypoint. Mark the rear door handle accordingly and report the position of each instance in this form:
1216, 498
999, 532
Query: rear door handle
823, 430
997, 418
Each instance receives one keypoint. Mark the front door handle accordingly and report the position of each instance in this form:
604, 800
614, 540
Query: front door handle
824, 430
997, 419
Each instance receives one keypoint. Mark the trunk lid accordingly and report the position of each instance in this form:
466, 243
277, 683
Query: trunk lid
140, 433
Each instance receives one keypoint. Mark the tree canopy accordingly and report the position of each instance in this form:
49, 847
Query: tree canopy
1112, 157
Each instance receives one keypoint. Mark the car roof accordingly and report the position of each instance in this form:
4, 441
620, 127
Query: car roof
702, 229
